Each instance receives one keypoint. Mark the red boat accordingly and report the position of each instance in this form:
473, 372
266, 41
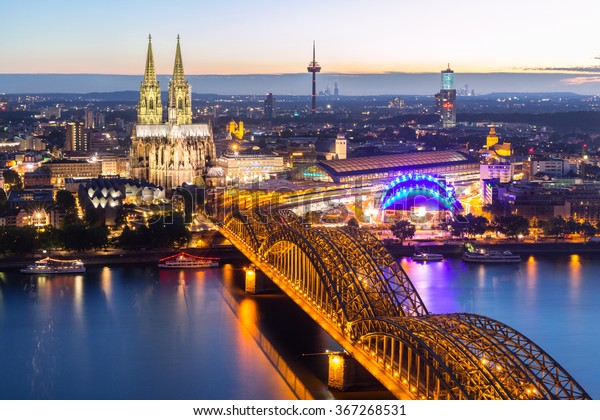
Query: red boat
185, 260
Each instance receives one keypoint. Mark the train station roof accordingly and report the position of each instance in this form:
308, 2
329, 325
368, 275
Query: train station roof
408, 161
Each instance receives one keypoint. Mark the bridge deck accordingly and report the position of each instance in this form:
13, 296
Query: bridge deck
356, 291
282, 282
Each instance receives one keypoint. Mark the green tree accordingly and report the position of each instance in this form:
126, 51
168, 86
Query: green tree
555, 226
158, 232
91, 217
70, 218
74, 237
513, 225
572, 226
458, 227
98, 236
588, 230
5, 239
403, 230
176, 233
18, 239
127, 239
143, 237
49, 238
12, 179
469, 225
477, 225
66, 200
496, 209
3, 199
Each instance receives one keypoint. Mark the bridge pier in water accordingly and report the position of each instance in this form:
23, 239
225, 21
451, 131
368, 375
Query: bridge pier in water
346, 374
347, 281
257, 282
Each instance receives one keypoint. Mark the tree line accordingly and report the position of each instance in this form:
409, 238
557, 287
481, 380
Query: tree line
512, 226
72, 237
79, 236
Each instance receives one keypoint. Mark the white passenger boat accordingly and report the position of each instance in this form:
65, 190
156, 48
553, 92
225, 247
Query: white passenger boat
185, 260
54, 266
489, 256
426, 256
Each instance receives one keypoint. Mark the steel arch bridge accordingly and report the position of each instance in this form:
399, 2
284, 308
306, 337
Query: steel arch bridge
349, 283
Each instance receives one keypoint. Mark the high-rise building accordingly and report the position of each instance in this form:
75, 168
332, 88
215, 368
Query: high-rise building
99, 120
120, 123
175, 152
89, 118
445, 101
336, 90
447, 79
77, 138
269, 110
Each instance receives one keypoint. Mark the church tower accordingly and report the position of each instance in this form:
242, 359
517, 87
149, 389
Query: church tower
150, 104
175, 152
180, 93
492, 138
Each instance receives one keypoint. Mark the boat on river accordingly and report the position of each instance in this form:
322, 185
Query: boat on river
54, 266
426, 256
185, 260
482, 255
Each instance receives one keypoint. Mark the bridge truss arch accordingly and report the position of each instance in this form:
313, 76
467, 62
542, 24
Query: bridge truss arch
462, 356
348, 282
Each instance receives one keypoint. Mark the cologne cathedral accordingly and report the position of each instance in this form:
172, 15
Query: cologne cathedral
174, 152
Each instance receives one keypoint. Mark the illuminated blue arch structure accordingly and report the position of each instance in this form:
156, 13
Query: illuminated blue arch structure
403, 191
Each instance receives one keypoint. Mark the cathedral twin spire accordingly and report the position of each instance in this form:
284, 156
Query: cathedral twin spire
180, 93
150, 73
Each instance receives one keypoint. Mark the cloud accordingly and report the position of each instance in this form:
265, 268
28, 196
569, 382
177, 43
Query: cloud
589, 69
580, 80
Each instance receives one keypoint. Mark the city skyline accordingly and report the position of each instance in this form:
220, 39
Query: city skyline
299, 83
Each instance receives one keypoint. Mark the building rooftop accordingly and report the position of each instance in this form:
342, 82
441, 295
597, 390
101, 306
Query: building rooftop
365, 165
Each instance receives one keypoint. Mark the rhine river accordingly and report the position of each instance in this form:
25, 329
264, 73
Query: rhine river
136, 332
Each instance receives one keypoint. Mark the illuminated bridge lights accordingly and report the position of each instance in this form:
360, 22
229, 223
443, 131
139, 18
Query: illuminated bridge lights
391, 332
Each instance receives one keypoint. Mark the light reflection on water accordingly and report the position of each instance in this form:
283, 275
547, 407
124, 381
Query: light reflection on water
128, 333
143, 333
553, 300
106, 284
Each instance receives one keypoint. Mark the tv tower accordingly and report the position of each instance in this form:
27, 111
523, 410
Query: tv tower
314, 68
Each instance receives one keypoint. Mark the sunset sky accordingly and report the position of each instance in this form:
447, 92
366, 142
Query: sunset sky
270, 36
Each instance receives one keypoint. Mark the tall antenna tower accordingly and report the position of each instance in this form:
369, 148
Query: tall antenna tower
314, 68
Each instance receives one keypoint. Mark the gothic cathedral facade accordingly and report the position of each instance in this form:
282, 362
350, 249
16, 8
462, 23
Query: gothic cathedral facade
174, 152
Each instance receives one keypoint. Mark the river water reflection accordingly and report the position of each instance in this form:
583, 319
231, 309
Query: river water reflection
129, 332
553, 300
